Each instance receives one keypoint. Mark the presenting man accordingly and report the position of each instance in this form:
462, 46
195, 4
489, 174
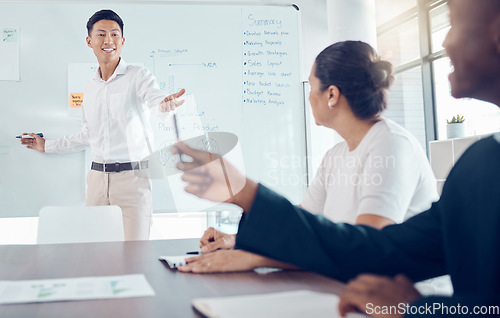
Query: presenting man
114, 105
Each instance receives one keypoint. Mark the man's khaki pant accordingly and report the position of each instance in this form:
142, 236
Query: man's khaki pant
128, 191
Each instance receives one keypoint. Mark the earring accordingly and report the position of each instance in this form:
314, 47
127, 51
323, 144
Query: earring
330, 105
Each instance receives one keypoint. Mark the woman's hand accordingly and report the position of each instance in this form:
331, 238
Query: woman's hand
213, 240
222, 261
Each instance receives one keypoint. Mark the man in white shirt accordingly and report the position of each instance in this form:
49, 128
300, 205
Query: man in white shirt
113, 117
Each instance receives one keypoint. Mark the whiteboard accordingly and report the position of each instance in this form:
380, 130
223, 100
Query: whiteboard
239, 64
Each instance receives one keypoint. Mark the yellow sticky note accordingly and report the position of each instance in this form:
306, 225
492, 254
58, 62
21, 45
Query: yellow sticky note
75, 99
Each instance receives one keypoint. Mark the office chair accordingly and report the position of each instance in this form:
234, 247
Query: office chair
80, 224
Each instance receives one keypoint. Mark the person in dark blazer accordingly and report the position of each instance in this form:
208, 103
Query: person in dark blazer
459, 235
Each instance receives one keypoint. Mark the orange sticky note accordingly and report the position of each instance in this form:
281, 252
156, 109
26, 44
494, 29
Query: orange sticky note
75, 99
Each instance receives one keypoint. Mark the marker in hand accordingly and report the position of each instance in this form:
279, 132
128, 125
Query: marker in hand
28, 136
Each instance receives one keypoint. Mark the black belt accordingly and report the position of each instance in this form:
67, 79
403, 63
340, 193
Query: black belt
118, 167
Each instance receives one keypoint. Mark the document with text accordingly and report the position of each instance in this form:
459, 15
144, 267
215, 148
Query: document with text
80, 288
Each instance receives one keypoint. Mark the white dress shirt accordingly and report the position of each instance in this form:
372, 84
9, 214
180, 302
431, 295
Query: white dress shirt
114, 116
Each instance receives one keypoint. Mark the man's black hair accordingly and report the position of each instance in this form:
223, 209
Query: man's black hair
105, 14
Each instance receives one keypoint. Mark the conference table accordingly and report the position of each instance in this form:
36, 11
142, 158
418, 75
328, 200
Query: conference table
174, 290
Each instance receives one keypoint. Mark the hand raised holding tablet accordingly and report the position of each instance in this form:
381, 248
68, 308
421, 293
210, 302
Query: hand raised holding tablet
209, 176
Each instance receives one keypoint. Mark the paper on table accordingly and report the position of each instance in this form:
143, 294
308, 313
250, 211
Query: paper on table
175, 261
293, 304
81, 288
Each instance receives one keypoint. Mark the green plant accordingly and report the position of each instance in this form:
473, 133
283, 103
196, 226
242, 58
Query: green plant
456, 120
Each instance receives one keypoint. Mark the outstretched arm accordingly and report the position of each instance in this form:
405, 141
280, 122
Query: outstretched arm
65, 144
276, 228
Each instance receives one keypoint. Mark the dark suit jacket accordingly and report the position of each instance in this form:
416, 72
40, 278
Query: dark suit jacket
459, 235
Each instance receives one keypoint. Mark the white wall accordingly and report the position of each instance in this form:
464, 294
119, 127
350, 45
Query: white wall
314, 22
352, 20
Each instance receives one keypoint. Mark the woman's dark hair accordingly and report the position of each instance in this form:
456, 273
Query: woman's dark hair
104, 15
356, 69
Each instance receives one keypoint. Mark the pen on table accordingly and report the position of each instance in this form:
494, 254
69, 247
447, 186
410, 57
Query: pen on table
193, 253
176, 128
28, 136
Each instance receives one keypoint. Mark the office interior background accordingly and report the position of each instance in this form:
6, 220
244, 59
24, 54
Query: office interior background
408, 33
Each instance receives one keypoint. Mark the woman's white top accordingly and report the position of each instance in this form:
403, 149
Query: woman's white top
388, 175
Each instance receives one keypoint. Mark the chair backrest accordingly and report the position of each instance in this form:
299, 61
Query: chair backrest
80, 224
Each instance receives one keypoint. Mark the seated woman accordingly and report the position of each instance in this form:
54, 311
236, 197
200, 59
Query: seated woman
378, 176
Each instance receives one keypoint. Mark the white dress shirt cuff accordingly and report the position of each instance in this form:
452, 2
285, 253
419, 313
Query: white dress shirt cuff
50, 146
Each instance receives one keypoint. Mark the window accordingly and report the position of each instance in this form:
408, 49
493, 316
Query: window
398, 45
388, 10
410, 35
480, 117
406, 106
398, 42
440, 24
